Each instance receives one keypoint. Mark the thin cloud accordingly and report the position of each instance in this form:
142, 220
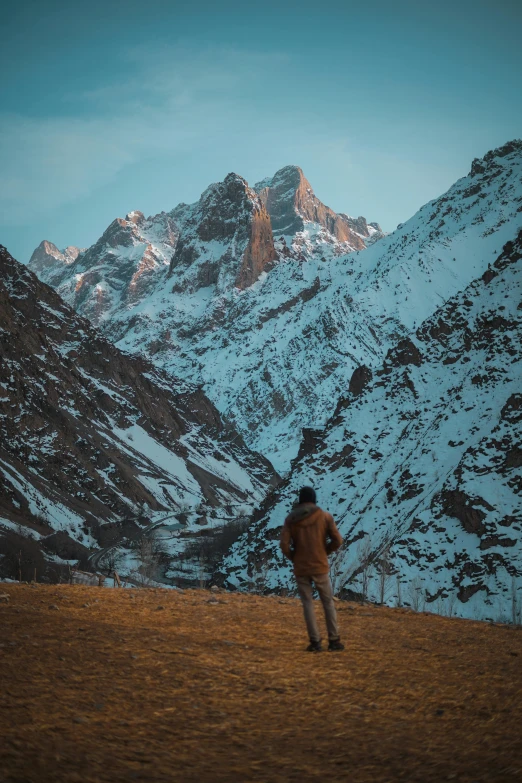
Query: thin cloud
172, 103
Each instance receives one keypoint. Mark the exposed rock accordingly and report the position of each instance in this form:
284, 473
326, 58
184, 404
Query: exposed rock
361, 377
47, 256
291, 202
405, 353
456, 504
229, 213
260, 251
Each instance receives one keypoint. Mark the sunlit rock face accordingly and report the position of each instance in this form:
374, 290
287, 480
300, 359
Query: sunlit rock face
47, 258
292, 204
225, 240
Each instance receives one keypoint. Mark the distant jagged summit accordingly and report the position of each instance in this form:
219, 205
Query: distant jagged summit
291, 203
47, 254
227, 239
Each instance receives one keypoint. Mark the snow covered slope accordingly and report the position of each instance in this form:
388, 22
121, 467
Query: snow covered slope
90, 436
421, 463
275, 339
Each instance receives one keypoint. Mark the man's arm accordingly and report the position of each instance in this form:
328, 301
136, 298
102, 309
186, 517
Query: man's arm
286, 542
333, 534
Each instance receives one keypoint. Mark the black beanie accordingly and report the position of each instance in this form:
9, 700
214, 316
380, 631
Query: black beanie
307, 495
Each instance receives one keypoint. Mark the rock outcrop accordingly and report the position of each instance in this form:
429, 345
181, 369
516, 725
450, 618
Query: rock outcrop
292, 204
225, 240
119, 270
47, 257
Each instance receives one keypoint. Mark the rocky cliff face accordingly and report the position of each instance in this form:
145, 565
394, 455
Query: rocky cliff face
225, 240
90, 436
421, 464
297, 214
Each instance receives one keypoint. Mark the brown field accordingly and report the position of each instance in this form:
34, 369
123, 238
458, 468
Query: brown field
148, 685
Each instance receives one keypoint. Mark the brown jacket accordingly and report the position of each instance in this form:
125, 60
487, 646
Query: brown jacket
308, 536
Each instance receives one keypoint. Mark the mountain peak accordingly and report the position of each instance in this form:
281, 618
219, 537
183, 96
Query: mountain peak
226, 238
291, 202
135, 217
490, 159
47, 255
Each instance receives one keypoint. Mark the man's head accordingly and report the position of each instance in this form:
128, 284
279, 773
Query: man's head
307, 495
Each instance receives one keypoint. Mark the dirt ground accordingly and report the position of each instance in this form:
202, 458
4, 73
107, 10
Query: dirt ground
101, 686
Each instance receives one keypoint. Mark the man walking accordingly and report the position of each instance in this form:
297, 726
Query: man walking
309, 535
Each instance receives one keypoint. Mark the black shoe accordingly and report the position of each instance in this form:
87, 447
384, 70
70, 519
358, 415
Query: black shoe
314, 646
335, 645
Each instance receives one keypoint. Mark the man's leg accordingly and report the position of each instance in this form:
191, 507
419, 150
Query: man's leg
324, 588
304, 588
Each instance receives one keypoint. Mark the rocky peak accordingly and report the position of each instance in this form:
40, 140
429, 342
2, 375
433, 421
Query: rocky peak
291, 203
135, 217
226, 237
490, 159
48, 255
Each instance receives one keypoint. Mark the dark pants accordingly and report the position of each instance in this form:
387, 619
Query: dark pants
324, 588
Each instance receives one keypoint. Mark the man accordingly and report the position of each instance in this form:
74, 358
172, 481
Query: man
309, 535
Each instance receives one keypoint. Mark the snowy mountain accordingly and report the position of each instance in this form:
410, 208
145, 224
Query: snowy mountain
421, 464
118, 270
276, 356
171, 287
91, 438
275, 329
372, 359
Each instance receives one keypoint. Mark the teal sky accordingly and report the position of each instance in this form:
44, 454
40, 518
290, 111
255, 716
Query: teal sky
112, 106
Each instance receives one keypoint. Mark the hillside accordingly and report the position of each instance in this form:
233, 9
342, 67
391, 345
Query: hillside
274, 324
421, 463
92, 439
118, 685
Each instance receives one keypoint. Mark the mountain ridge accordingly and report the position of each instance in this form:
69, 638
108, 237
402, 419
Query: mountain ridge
327, 313
91, 436
421, 464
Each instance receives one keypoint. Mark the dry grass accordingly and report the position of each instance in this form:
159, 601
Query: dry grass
121, 690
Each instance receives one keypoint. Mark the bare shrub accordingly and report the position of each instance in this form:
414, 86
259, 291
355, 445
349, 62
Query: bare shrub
149, 559
364, 557
516, 604
383, 568
450, 604
111, 561
398, 600
416, 595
